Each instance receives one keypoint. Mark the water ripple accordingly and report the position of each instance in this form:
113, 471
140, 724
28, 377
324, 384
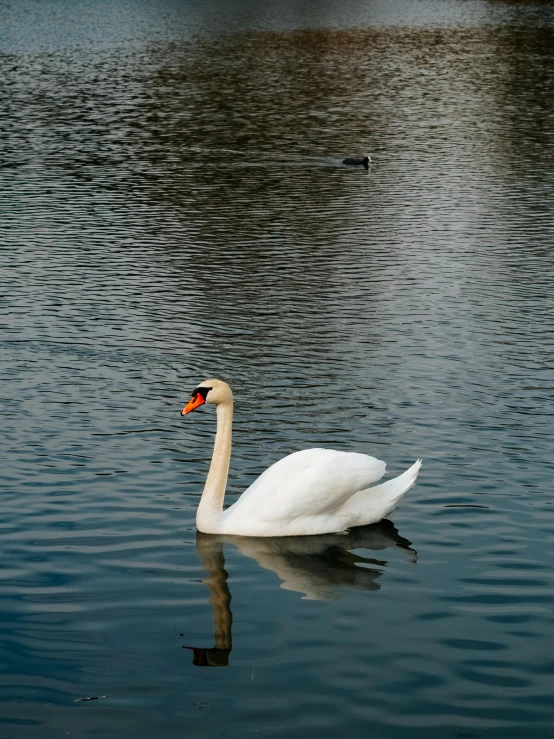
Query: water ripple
176, 208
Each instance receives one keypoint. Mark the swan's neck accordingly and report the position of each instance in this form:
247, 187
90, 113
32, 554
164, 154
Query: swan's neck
209, 516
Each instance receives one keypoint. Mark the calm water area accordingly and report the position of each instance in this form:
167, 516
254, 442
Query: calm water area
173, 207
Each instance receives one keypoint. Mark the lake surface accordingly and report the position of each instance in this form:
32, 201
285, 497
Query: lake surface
174, 208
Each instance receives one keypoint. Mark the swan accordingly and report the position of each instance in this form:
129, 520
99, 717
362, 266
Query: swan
314, 491
363, 162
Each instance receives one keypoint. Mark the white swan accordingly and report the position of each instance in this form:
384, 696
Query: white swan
315, 491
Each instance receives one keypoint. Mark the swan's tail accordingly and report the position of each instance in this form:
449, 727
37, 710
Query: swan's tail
373, 504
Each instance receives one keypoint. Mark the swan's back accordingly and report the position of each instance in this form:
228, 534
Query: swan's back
307, 483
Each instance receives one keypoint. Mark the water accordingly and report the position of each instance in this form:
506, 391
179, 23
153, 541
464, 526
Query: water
174, 208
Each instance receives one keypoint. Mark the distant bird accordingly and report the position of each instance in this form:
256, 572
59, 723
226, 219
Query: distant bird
363, 162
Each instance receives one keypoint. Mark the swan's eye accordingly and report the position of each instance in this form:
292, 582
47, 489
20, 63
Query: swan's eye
203, 391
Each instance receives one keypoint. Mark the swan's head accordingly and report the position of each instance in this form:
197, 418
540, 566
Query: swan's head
209, 391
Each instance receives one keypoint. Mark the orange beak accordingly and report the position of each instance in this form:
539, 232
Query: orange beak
194, 402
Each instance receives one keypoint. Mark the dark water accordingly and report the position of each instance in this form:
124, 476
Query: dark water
174, 208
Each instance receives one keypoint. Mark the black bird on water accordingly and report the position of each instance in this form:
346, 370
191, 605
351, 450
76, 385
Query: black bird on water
362, 162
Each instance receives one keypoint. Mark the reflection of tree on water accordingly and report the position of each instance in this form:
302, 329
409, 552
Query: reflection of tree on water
314, 565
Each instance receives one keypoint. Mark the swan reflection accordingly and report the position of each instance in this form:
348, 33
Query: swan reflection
316, 566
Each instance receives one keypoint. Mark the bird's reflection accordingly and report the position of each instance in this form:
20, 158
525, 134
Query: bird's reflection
317, 566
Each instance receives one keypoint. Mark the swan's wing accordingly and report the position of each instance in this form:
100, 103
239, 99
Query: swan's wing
307, 483
373, 504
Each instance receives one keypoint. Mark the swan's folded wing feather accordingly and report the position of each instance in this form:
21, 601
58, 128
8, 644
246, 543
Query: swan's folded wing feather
306, 483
